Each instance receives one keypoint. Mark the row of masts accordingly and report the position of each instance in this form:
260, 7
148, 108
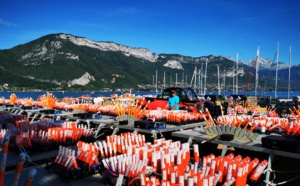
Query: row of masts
176, 83
201, 88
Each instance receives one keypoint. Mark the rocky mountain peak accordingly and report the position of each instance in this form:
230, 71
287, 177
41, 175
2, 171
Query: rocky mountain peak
141, 53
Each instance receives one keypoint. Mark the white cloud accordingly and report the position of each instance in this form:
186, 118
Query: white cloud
8, 24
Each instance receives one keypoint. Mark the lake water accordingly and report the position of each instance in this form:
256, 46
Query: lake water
60, 94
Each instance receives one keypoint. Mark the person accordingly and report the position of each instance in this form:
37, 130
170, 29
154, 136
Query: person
173, 101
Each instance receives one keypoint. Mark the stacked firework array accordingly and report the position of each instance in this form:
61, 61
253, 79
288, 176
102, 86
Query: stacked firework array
230, 169
164, 163
172, 161
264, 123
174, 117
45, 133
89, 155
121, 144
54, 133
258, 121
68, 163
66, 157
132, 109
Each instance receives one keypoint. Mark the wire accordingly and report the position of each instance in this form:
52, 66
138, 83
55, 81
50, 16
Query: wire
284, 182
274, 177
23, 150
285, 171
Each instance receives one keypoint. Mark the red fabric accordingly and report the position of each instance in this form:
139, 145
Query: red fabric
157, 103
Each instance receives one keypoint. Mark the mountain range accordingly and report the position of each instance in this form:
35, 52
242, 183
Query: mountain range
265, 63
68, 62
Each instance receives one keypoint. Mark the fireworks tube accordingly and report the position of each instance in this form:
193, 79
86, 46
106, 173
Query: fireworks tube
30, 177
19, 168
196, 153
4, 156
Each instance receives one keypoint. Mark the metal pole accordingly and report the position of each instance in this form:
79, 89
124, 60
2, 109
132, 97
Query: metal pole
182, 82
219, 91
185, 80
290, 65
225, 81
256, 74
153, 80
193, 77
201, 85
164, 79
270, 159
195, 82
205, 77
176, 80
233, 74
156, 82
199, 81
276, 77
237, 73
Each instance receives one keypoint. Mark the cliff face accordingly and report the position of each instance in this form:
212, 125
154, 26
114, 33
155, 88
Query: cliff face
141, 53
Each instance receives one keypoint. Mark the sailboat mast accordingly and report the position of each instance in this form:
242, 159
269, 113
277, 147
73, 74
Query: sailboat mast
153, 81
185, 83
156, 82
290, 60
276, 77
193, 77
199, 81
164, 80
182, 82
195, 80
176, 80
219, 91
201, 85
237, 73
233, 78
256, 74
224, 81
205, 76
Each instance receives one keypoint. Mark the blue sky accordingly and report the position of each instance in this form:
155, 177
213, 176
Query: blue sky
192, 28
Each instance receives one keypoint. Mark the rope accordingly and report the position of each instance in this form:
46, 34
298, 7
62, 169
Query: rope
283, 182
22, 149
